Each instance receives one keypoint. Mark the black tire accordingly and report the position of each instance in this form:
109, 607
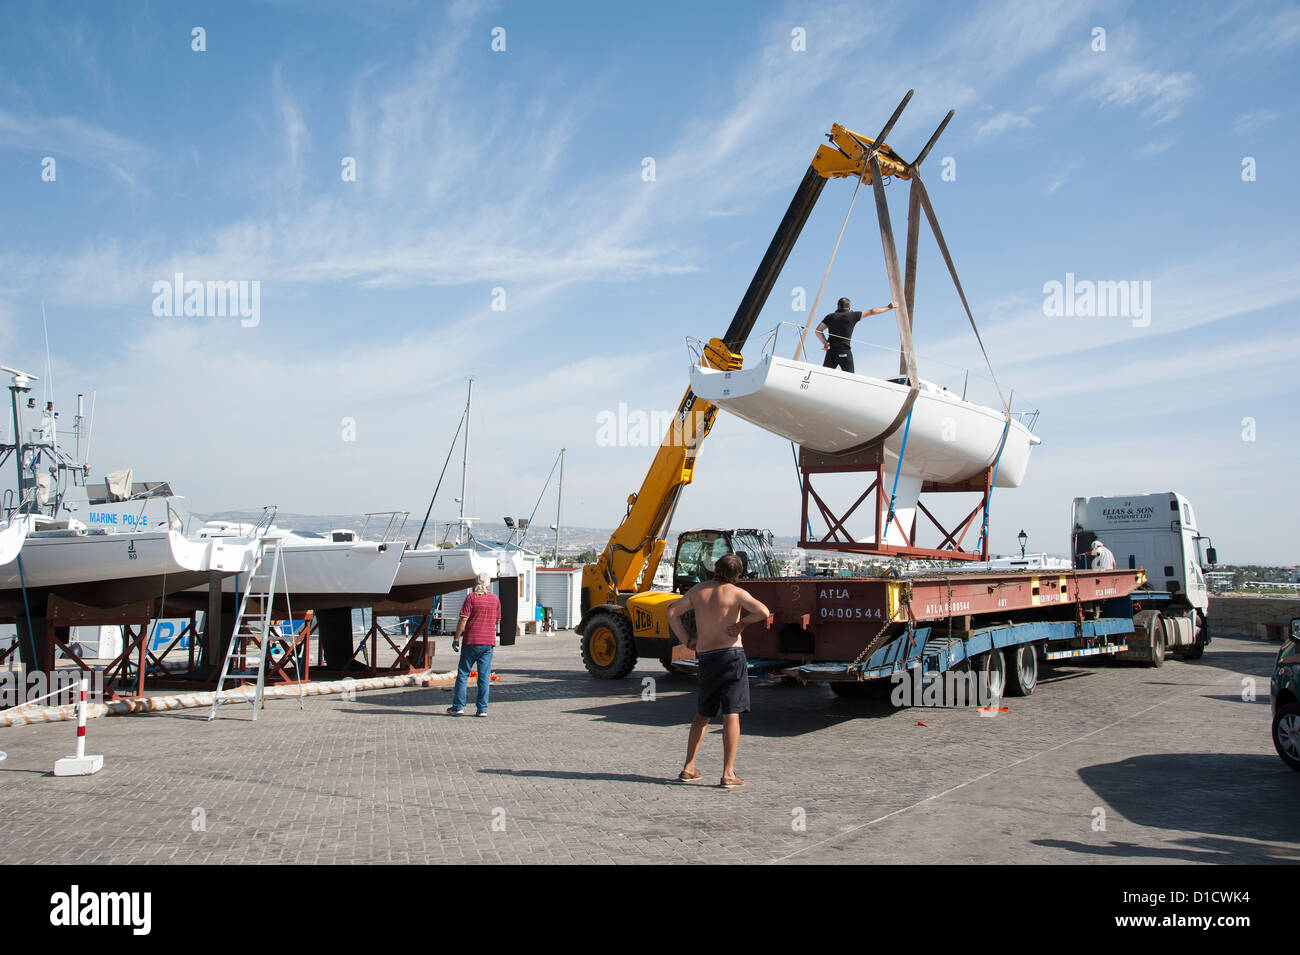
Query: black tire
1197, 649
1286, 734
608, 647
992, 671
1022, 670
1156, 650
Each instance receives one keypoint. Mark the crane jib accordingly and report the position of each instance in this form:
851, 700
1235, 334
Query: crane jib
760, 286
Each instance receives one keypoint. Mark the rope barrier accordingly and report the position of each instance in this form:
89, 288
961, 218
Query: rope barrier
182, 701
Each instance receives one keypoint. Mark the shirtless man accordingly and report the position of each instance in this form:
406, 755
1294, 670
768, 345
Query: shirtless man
722, 612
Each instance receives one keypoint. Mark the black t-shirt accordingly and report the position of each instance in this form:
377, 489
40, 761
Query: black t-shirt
839, 328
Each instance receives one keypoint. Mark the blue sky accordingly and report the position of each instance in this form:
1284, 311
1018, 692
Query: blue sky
522, 170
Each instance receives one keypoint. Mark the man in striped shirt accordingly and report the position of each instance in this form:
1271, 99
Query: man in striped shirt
479, 615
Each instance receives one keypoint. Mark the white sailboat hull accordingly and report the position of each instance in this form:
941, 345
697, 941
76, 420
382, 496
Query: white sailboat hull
431, 571
11, 539
323, 575
949, 440
104, 569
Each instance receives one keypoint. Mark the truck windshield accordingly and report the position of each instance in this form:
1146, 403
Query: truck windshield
696, 555
755, 551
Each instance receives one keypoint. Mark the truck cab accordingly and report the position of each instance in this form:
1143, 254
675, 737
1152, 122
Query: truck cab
1157, 532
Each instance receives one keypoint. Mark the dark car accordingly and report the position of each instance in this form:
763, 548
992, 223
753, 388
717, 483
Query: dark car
1285, 689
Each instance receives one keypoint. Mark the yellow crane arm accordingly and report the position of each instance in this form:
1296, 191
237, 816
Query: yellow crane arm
632, 555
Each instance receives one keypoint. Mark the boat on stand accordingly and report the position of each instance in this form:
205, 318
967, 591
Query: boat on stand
46, 554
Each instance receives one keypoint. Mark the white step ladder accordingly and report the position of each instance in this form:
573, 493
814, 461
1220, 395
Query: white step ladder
251, 642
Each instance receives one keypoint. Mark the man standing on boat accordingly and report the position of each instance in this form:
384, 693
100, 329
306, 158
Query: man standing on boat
479, 615
840, 323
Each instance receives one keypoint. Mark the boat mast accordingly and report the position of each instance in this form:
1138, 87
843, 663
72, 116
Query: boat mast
464, 461
21, 385
559, 500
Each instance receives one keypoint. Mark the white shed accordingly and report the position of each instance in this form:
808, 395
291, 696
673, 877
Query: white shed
560, 588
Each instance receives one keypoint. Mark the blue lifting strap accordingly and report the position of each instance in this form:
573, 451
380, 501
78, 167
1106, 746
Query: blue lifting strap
984, 530
907, 426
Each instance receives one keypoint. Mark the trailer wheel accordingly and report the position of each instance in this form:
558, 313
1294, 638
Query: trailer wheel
608, 648
1286, 734
1022, 675
992, 672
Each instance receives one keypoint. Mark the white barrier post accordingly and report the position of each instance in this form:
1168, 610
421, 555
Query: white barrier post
81, 764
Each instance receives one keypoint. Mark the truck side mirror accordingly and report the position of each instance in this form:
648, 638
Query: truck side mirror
1212, 556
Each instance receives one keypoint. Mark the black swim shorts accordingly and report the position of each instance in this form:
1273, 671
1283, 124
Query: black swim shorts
724, 682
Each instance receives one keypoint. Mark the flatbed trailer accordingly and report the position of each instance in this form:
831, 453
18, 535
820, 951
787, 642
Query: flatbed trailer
852, 631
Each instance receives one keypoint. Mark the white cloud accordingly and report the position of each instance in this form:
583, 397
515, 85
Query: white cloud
1284, 28
1249, 122
1062, 175
1122, 76
1185, 297
1001, 123
73, 138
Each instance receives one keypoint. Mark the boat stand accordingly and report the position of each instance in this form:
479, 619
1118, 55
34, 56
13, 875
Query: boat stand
290, 650
180, 665
870, 462
135, 664
413, 648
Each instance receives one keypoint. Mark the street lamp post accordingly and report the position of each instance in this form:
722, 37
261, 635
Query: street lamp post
1024, 539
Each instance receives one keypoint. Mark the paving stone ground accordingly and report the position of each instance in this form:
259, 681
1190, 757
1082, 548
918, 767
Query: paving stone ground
568, 769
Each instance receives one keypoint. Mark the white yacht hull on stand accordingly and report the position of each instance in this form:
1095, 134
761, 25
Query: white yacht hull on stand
949, 440
432, 571
320, 574
103, 569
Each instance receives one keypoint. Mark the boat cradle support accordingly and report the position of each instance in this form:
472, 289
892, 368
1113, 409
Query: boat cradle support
870, 463
141, 660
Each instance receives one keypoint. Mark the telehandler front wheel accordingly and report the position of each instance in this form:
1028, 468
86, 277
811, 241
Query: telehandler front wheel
608, 647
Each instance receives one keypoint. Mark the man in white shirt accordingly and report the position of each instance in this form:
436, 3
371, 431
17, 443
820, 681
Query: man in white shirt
1102, 558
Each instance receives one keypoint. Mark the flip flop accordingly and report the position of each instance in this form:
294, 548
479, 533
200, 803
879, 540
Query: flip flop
735, 782
685, 777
